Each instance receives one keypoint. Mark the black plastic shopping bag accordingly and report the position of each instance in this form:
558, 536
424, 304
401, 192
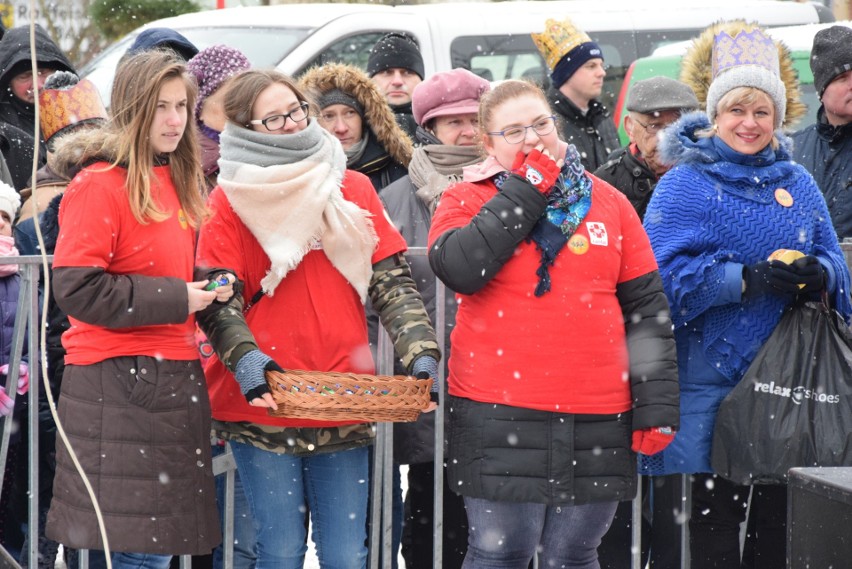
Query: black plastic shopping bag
793, 406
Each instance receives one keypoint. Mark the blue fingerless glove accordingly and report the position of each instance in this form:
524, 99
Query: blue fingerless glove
426, 367
251, 373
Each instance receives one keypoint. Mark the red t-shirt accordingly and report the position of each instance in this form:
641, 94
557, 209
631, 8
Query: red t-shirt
97, 229
564, 351
314, 320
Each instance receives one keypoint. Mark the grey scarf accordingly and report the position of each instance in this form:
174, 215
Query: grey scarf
434, 167
246, 146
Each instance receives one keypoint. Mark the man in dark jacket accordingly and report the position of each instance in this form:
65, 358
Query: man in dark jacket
18, 89
576, 76
396, 67
825, 148
652, 105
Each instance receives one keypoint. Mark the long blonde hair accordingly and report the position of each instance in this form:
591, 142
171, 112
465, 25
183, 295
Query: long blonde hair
135, 93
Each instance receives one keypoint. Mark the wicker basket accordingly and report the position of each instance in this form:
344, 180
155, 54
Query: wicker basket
332, 396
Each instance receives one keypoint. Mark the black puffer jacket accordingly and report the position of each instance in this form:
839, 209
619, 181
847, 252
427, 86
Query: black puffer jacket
631, 176
507, 453
826, 152
593, 134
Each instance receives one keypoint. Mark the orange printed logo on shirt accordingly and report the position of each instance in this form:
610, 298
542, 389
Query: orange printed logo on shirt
182, 219
578, 244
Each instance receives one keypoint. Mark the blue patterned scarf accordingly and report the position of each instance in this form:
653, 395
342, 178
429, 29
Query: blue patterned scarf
567, 205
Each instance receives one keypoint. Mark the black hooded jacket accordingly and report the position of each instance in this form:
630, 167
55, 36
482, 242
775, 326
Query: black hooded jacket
826, 152
17, 141
631, 176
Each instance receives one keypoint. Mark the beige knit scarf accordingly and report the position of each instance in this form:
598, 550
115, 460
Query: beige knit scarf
286, 190
434, 167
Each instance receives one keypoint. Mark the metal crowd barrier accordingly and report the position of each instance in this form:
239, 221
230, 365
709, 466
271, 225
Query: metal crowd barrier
224, 465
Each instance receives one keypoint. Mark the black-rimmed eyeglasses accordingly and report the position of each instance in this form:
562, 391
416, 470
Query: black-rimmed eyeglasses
277, 122
517, 134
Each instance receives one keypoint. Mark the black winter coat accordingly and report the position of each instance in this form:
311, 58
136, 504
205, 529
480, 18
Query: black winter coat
631, 176
377, 164
415, 442
18, 143
593, 134
512, 454
826, 152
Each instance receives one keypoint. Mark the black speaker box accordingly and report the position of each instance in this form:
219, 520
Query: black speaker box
819, 518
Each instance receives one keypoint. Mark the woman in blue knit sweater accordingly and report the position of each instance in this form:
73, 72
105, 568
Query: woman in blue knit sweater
732, 199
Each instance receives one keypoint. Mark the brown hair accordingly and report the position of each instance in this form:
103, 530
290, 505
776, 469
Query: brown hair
135, 94
245, 87
502, 93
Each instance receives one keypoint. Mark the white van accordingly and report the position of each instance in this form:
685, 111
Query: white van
491, 39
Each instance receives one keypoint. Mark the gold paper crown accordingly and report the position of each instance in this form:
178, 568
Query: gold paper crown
60, 108
557, 39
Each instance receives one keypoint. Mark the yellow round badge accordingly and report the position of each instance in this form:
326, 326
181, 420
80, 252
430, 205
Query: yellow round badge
578, 244
182, 219
783, 197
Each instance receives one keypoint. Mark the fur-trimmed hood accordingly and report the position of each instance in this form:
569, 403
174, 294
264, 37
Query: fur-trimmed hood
76, 150
680, 144
696, 69
379, 117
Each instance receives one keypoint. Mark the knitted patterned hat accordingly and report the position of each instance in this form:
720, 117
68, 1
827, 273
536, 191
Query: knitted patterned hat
746, 59
696, 68
66, 102
10, 201
831, 55
565, 48
212, 66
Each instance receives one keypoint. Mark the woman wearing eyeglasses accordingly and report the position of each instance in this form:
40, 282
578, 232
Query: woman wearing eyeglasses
309, 241
563, 358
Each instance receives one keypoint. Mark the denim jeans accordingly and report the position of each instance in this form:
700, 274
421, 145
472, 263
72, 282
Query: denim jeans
244, 542
506, 535
121, 560
281, 488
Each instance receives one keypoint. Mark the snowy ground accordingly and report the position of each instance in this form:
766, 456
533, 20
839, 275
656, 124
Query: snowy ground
311, 561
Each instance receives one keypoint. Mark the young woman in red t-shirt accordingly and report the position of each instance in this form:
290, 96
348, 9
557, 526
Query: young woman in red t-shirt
310, 241
562, 355
133, 398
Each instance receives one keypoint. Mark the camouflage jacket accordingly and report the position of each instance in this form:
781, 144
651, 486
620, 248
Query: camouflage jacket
393, 295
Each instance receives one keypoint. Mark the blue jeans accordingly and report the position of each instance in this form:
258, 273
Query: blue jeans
506, 535
281, 488
244, 542
121, 560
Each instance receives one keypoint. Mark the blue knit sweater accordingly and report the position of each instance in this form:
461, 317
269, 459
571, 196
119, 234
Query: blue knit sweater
713, 213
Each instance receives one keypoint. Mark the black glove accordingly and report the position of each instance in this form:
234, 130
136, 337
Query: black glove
810, 273
772, 277
251, 373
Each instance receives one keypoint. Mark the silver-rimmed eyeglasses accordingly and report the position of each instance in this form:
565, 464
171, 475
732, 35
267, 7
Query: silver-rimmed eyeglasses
277, 122
517, 134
